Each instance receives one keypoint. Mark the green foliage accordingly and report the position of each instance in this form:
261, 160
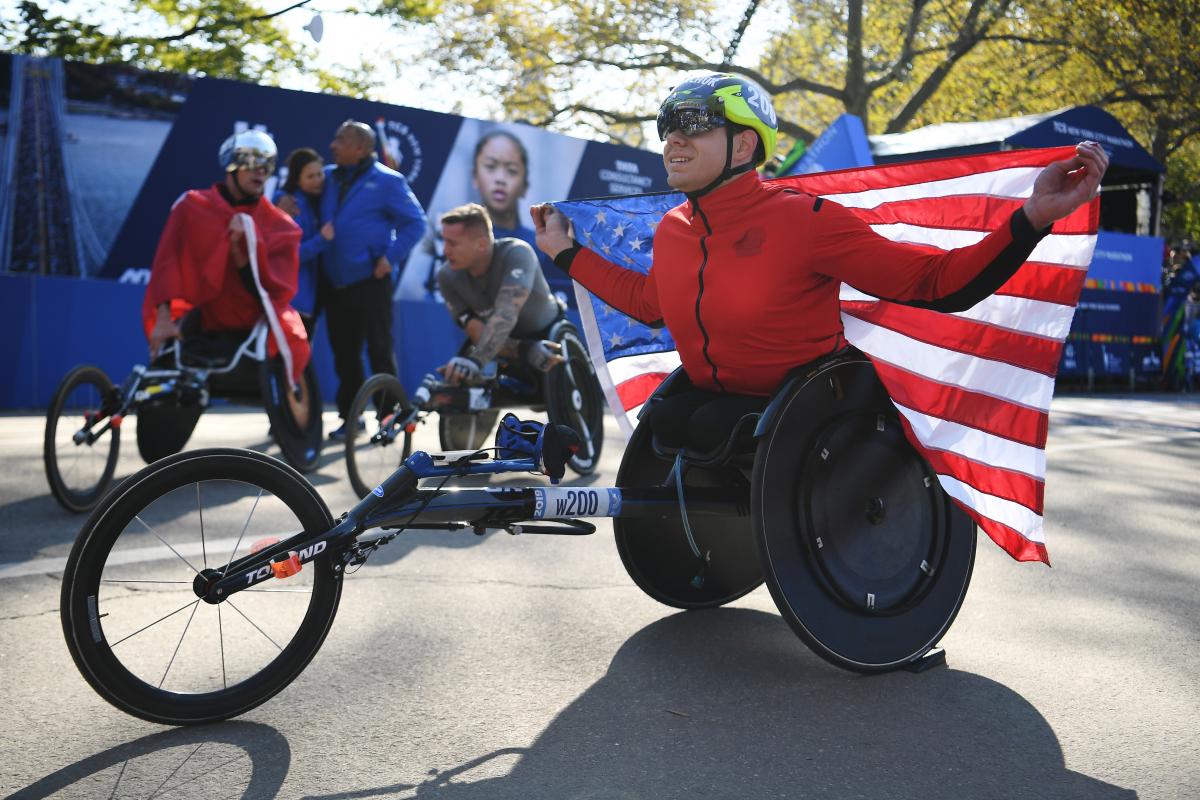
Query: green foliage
605, 64
235, 39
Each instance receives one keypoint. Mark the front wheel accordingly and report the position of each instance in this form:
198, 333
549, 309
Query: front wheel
375, 453
77, 470
137, 630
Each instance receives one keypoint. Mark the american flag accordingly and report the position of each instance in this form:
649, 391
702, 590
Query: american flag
973, 388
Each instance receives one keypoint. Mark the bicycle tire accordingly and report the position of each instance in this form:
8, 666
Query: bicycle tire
90, 614
85, 498
368, 462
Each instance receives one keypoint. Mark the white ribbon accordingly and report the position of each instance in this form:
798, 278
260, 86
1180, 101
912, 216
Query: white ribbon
272, 318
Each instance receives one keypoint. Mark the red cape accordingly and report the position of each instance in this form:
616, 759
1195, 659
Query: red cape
192, 267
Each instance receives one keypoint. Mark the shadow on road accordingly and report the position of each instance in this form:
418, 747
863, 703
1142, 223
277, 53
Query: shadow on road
234, 759
722, 703
716, 703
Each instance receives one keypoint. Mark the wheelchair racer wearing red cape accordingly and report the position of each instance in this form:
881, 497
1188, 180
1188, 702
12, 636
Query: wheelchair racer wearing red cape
203, 278
719, 293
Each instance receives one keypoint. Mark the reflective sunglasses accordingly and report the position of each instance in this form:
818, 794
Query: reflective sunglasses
689, 117
253, 160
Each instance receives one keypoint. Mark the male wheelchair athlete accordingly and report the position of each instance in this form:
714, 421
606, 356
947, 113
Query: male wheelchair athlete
570, 394
168, 397
821, 495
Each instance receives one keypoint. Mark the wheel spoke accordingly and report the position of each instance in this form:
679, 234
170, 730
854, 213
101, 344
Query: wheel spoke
165, 542
221, 641
139, 580
242, 534
152, 624
277, 591
178, 645
200, 508
252, 622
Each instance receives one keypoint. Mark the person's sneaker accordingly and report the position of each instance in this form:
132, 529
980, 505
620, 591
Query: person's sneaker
339, 435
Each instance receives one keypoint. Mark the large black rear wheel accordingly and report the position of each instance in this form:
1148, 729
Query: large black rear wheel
79, 471
134, 623
866, 556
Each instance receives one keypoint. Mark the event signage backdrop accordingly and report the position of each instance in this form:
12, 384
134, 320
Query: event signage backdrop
97, 155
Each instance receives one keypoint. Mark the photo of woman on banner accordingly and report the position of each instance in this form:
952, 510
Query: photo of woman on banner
490, 164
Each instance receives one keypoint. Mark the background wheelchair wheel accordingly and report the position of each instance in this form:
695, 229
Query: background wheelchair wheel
79, 474
866, 557
458, 431
133, 624
574, 398
295, 416
656, 554
370, 456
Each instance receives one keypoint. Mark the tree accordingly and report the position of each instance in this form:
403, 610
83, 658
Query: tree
542, 58
219, 38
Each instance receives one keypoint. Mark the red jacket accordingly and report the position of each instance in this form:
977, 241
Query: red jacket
746, 279
194, 267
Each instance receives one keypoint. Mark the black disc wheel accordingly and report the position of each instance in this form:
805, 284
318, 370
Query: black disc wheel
134, 623
295, 413
78, 470
866, 556
375, 453
466, 431
656, 552
574, 398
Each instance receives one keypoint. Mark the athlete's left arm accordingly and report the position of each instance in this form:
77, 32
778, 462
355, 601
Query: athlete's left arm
844, 247
520, 266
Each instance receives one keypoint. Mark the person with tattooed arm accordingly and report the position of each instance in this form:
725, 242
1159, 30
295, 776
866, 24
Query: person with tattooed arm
495, 290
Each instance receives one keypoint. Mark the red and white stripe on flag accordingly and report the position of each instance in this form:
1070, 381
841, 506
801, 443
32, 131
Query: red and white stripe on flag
973, 388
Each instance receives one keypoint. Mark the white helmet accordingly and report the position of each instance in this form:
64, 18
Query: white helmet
250, 149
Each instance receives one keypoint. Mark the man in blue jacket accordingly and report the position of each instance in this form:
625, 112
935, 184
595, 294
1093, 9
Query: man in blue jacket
378, 220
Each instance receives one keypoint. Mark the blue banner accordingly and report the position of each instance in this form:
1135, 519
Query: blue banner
1125, 258
843, 145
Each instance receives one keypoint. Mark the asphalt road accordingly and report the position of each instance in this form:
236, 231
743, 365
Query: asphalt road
522, 667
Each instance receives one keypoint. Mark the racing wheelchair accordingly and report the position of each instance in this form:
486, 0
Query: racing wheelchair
570, 394
821, 495
83, 422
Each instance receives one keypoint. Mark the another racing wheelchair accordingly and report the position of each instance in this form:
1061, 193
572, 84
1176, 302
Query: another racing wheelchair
570, 394
821, 494
83, 422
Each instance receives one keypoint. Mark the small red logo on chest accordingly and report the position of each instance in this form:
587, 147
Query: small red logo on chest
751, 242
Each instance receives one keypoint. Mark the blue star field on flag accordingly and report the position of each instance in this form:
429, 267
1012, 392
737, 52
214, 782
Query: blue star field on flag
621, 229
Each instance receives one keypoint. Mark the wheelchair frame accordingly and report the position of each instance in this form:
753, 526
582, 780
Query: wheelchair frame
817, 577
146, 384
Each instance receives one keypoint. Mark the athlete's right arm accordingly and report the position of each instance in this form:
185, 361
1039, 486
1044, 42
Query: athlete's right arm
626, 290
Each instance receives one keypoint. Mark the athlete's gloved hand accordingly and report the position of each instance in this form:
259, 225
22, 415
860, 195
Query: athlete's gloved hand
542, 355
460, 369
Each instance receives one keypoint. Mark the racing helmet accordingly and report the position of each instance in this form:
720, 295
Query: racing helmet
705, 102
251, 149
